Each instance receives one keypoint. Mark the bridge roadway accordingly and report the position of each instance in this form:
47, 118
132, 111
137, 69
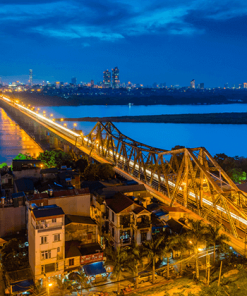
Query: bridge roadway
72, 137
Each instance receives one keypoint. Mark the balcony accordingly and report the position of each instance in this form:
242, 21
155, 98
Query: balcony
48, 226
125, 225
125, 241
144, 224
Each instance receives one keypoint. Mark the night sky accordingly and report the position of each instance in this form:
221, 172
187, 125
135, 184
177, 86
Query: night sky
172, 41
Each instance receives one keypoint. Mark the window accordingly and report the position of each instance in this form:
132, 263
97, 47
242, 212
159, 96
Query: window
54, 220
42, 269
112, 216
89, 236
57, 237
46, 255
143, 236
71, 262
58, 249
56, 266
43, 240
112, 231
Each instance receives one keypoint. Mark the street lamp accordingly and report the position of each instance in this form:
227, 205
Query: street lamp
48, 288
65, 124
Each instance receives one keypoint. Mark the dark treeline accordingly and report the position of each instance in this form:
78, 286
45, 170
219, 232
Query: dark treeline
214, 118
169, 98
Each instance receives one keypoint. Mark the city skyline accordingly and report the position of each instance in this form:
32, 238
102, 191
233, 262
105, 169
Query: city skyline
162, 41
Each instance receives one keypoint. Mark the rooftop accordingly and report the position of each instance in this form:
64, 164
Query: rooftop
119, 202
47, 211
78, 219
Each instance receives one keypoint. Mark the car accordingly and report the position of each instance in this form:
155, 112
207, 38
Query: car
146, 277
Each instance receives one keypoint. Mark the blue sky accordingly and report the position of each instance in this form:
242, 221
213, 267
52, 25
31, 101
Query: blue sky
150, 41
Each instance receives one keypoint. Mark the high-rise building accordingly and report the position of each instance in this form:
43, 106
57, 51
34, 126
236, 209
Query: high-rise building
92, 83
245, 84
73, 80
193, 84
202, 85
115, 78
107, 79
57, 84
31, 77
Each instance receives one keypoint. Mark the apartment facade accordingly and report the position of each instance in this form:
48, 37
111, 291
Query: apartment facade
46, 237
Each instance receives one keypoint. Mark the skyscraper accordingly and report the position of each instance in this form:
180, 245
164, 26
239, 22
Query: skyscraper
193, 84
107, 79
73, 80
202, 85
31, 77
115, 78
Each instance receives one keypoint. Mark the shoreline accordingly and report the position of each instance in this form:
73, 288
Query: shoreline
205, 118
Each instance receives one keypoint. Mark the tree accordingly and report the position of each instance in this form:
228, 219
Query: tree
55, 158
237, 175
118, 259
153, 249
81, 164
22, 156
64, 286
81, 279
3, 165
14, 255
134, 261
95, 172
181, 243
197, 234
215, 237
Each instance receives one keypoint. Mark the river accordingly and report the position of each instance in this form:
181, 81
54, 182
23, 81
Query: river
216, 138
14, 140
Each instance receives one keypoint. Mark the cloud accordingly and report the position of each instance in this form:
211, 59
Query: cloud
85, 44
114, 20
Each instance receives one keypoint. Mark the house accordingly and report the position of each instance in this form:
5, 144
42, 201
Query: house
81, 228
46, 237
125, 221
28, 168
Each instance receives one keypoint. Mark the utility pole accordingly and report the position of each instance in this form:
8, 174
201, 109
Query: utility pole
220, 273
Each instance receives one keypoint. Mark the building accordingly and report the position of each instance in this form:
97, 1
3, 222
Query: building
107, 79
92, 83
126, 221
201, 85
46, 236
193, 84
73, 80
245, 84
31, 77
57, 84
115, 78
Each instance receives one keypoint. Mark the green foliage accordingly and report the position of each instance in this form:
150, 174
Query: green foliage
95, 172
22, 156
55, 158
14, 255
237, 175
2, 165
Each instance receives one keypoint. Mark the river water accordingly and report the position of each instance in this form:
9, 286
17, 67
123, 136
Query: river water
14, 140
216, 138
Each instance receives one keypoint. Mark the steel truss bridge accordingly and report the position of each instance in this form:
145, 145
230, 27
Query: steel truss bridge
188, 176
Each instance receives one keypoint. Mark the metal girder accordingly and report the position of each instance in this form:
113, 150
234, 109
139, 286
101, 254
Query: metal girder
189, 174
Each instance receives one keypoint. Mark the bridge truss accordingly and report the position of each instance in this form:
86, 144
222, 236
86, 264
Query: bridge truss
190, 177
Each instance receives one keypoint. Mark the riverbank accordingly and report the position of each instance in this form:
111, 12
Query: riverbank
210, 118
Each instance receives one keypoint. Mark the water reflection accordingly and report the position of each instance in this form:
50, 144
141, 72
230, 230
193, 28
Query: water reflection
14, 140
